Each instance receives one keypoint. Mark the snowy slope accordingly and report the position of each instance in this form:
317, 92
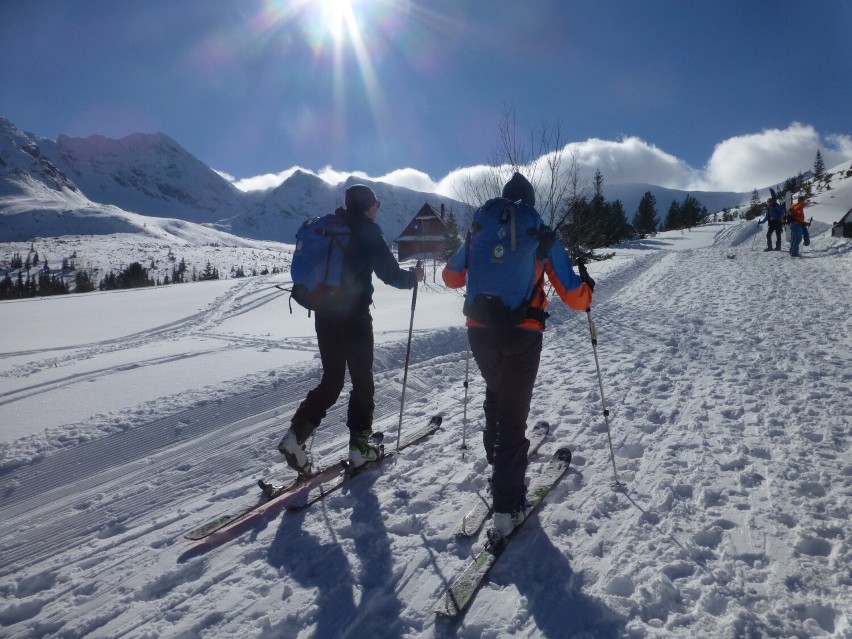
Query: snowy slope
99, 184
129, 417
149, 174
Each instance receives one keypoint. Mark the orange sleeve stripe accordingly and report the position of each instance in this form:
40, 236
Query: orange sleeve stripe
453, 279
579, 299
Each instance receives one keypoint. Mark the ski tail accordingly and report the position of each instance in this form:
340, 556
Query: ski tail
475, 517
322, 490
270, 493
455, 599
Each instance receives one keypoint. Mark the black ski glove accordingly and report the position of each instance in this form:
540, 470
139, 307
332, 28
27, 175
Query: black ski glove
584, 275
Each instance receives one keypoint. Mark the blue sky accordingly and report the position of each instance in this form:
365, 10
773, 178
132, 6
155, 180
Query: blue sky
722, 95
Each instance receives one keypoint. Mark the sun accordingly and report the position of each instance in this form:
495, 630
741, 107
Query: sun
338, 17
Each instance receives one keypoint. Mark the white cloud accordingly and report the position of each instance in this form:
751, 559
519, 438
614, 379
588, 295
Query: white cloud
631, 159
266, 181
336, 177
756, 160
838, 150
226, 176
740, 163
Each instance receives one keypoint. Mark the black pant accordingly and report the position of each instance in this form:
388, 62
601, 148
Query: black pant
508, 360
774, 227
343, 342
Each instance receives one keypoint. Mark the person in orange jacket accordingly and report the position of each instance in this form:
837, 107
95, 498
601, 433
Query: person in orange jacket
508, 355
798, 227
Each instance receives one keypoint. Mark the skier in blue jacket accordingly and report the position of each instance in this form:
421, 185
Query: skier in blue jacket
508, 356
345, 338
775, 217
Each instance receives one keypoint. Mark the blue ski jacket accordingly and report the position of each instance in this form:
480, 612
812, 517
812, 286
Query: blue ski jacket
773, 214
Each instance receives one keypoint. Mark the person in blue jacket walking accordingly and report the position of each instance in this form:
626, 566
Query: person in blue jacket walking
775, 217
508, 354
345, 338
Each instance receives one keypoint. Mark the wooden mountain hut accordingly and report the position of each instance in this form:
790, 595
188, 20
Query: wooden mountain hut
424, 236
843, 228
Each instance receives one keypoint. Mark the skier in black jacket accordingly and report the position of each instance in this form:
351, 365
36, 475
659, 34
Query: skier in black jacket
345, 339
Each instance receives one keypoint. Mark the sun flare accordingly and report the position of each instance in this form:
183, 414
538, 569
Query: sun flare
338, 17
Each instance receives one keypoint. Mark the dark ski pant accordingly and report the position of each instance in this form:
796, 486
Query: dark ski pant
343, 342
774, 227
508, 360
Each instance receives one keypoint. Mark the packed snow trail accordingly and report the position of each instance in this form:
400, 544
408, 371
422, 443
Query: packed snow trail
726, 371
726, 378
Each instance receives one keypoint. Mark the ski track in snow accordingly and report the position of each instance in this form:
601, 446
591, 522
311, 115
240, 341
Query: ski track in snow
726, 372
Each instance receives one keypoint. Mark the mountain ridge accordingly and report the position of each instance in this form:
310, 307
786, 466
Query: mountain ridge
152, 175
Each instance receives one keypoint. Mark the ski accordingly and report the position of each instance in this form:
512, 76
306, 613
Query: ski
788, 205
326, 487
458, 595
481, 510
270, 492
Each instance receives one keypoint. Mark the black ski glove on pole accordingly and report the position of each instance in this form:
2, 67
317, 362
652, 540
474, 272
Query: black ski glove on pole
584, 275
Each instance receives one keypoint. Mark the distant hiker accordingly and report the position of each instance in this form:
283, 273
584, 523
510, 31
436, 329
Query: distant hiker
798, 226
775, 217
502, 263
345, 335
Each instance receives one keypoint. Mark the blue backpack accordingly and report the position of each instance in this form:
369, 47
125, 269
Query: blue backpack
317, 268
505, 242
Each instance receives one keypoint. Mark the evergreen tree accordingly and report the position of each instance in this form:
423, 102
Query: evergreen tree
819, 167
452, 241
674, 219
82, 282
209, 273
614, 226
694, 212
645, 221
134, 276
686, 214
755, 206
7, 288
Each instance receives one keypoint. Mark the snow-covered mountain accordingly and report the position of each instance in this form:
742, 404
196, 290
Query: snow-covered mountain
96, 179
23, 168
152, 175
149, 174
279, 212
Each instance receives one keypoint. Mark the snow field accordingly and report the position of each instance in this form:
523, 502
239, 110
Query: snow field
726, 371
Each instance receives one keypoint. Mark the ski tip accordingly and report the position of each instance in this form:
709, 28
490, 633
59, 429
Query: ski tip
563, 454
542, 425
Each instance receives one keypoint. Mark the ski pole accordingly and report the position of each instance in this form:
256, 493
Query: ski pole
616, 484
464, 418
407, 358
